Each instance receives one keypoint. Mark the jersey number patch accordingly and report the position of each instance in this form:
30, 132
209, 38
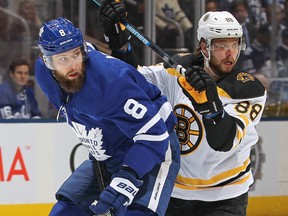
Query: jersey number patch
244, 107
61, 32
135, 109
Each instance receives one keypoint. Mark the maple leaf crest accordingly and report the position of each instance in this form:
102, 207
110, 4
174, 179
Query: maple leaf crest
91, 139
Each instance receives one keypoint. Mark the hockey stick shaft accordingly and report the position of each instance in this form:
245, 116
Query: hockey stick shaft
149, 43
101, 184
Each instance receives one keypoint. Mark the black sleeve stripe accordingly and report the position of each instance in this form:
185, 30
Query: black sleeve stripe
240, 123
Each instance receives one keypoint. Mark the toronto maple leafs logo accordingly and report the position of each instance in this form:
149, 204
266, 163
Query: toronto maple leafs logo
168, 11
91, 139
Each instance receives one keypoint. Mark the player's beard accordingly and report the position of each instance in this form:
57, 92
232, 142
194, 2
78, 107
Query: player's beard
71, 86
219, 69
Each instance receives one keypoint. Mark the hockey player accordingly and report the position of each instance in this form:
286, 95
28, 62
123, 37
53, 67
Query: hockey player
124, 122
217, 108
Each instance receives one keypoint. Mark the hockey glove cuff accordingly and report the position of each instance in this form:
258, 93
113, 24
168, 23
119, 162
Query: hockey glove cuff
118, 195
201, 89
110, 14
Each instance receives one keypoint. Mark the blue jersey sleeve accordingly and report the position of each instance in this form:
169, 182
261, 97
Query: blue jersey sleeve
136, 115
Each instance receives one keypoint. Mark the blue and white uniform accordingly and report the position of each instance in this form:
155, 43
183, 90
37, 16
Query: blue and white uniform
123, 120
22, 105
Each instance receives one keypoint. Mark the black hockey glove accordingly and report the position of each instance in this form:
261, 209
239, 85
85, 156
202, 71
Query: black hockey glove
201, 89
110, 15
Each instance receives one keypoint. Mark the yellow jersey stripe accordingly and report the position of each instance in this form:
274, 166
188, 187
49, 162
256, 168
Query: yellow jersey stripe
187, 183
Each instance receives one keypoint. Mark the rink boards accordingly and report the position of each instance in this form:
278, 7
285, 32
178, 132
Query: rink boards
36, 157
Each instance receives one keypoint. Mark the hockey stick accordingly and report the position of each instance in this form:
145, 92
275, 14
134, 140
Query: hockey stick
101, 184
149, 43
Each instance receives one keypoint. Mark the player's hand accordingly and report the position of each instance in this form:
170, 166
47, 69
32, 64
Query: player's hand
112, 11
201, 89
118, 195
110, 15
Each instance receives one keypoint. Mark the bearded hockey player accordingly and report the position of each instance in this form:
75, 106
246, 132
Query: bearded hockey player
217, 107
123, 120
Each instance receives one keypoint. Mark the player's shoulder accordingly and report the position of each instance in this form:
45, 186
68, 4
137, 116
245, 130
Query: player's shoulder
40, 68
187, 59
242, 85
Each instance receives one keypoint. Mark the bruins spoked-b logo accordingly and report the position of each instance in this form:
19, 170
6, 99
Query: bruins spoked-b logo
189, 129
245, 77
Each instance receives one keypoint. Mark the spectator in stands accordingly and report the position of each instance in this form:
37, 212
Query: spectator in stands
166, 31
224, 5
276, 22
188, 7
257, 11
257, 14
14, 35
28, 11
239, 8
285, 18
211, 5
17, 99
282, 55
257, 56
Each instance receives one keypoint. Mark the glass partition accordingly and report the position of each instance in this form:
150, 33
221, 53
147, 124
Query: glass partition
266, 56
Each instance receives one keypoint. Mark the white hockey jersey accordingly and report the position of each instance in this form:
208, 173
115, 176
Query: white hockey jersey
206, 174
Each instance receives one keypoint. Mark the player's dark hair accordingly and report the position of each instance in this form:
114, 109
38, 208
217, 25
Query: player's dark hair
198, 49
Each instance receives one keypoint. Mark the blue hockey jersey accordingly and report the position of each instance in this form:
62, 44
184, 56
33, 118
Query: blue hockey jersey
120, 117
22, 105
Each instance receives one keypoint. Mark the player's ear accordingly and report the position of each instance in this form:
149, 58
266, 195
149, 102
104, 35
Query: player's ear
41, 56
203, 48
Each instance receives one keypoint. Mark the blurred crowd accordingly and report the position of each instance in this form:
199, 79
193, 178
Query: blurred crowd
265, 26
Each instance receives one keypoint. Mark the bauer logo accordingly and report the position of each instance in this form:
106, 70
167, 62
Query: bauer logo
233, 29
127, 188
67, 41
